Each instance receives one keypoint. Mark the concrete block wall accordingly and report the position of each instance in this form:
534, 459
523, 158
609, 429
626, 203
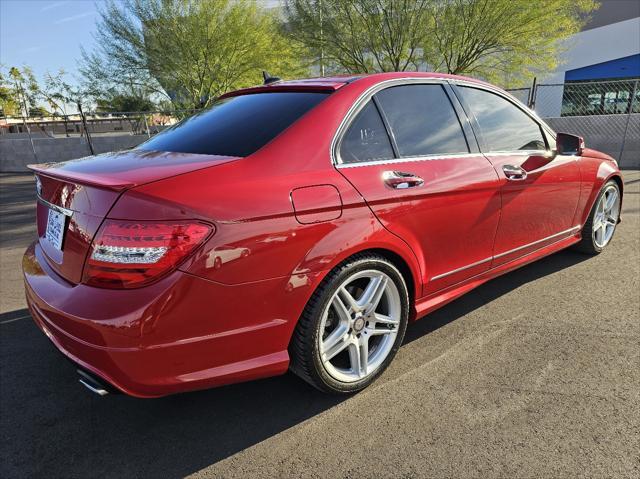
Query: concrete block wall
16, 154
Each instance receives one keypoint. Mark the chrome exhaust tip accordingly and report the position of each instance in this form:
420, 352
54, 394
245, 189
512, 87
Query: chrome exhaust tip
92, 383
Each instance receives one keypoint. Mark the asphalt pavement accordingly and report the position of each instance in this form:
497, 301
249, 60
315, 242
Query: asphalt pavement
534, 374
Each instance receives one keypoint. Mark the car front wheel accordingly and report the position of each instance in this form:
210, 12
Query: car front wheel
352, 326
603, 219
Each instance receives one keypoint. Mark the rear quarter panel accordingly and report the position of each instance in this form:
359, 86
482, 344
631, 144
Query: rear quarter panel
257, 234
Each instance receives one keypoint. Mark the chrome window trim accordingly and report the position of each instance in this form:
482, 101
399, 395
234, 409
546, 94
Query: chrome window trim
57, 208
457, 270
439, 157
517, 153
407, 159
528, 245
362, 100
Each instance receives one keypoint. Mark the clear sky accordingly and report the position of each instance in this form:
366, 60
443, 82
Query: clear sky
45, 34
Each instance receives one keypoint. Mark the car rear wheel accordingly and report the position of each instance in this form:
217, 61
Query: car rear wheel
603, 219
352, 326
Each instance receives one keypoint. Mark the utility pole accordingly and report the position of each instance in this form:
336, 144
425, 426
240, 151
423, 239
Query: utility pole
321, 41
86, 130
146, 125
531, 103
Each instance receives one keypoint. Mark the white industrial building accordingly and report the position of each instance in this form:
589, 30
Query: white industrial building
606, 50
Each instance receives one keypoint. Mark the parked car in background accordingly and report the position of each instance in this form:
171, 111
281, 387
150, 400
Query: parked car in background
302, 225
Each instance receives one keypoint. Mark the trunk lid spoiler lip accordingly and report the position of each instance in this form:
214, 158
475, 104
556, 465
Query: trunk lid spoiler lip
102, 181
291, 86
121, 179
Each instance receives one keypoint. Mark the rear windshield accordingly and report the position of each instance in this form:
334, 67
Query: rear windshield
236, 126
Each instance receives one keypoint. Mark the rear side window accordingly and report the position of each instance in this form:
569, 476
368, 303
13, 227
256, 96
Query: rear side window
422, 120
504, 126
366, 139
236, 126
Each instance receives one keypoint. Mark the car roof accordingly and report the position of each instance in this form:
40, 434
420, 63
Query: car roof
335, 82
344, 79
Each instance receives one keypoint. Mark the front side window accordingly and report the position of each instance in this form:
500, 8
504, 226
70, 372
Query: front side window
236, 126
422, 120
366, 139
504, 126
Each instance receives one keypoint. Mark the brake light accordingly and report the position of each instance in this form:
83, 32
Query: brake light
127, 254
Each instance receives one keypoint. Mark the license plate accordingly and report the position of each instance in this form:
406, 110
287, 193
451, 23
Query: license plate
55, 228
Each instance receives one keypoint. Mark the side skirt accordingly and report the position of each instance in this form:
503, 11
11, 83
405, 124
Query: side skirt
436, 300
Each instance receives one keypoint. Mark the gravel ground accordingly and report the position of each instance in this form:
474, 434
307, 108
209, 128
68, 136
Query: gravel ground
536, 373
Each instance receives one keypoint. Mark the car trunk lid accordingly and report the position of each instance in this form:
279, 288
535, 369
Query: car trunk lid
81, 193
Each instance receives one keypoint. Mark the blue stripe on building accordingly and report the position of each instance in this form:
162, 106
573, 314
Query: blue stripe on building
627, 67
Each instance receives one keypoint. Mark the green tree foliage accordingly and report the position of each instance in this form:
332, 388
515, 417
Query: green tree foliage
361, 36
38, 111
125, 103
8, 100
502, 40
499, 40
61, 94
188, 51
19, 91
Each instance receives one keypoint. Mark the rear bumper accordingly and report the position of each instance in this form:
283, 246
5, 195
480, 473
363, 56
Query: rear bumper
179, 334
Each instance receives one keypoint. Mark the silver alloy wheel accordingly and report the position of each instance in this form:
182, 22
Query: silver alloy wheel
605, 218
359, 325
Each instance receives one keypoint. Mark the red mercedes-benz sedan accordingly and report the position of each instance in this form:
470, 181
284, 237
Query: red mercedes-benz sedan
302, 225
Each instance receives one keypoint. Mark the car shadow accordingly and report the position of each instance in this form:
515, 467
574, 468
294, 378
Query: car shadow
492, 290
52, 426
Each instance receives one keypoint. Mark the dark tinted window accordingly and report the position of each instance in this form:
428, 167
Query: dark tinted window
504, 126
236, 126
422, 120
366, 139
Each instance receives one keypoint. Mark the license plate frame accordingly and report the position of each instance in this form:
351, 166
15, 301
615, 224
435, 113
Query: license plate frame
56, 227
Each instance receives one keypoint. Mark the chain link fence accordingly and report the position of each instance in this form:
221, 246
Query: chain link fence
56, 138
94, 123
605, 113
522, 94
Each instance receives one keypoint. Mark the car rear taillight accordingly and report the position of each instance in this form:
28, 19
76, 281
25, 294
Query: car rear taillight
130, 254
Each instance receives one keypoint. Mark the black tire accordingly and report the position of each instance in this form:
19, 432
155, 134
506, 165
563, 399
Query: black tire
304, 347
587, 244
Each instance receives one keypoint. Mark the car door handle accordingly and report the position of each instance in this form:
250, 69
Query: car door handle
514, 173
399, 180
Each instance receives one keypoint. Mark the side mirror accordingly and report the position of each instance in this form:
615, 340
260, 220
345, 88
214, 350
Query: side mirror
568, 144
